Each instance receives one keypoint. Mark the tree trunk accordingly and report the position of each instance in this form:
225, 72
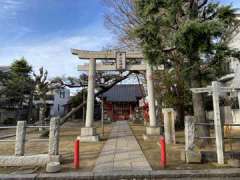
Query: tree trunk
180, 108
198, 99
159, 112
199, 113
42, 113
19, 110
180, 114
41, 116
30, 109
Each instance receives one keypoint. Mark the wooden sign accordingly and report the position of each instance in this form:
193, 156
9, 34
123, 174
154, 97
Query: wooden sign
120, 60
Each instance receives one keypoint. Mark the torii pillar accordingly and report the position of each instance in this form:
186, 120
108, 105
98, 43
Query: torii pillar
152, 129
88, 133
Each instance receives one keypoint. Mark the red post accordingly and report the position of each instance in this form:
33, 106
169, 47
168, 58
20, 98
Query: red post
163, 160
76, 160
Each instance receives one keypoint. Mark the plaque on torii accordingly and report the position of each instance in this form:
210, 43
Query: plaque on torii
121, 57
120, 63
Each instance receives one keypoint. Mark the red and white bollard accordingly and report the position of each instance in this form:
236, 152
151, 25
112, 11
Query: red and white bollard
163, 160
76, 160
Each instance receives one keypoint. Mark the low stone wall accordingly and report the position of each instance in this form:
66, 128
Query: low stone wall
33, 160
217, 174
19, 159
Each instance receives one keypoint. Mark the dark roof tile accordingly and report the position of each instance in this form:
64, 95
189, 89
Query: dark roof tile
124, 93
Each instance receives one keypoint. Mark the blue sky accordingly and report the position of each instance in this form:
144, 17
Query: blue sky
44, 31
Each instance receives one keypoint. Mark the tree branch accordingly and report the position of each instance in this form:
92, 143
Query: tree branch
203, 4
74, 110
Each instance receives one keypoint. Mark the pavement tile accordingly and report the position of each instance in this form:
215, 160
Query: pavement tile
121, 152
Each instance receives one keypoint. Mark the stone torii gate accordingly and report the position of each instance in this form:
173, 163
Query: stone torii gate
120, 58
216, 91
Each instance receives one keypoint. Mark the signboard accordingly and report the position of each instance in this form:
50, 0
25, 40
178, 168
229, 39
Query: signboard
120, 60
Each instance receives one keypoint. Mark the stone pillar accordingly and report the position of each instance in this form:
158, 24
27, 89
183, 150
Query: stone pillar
152, 129
218, 124
169, 125
88, 133
90, 95
53, 148
189, 131
191, 154
20, 138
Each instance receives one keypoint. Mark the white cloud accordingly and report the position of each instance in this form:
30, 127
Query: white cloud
9, 8
54, 54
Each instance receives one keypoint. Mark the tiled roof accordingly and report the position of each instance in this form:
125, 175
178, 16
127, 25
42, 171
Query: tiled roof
124, 93
4, 68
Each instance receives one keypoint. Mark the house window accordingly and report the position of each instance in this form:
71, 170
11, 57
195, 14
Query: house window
234, 103
62, 94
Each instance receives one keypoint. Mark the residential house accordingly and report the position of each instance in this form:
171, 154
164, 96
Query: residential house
230, 110
56, 101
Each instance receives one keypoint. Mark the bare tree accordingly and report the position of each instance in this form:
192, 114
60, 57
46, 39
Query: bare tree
41, 89
121, 18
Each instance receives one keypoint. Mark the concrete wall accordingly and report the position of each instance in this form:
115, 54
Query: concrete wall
230, 115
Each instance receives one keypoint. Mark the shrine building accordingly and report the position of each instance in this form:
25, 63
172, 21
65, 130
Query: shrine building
120, 101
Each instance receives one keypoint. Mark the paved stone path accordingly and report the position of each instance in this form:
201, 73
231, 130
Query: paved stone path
121, 151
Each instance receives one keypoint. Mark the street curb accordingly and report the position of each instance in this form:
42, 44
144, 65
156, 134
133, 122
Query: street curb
210, 173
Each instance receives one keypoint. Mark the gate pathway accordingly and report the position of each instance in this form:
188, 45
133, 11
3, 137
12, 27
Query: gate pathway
121, 151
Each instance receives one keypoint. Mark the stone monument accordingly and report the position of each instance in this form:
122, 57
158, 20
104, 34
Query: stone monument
169, 117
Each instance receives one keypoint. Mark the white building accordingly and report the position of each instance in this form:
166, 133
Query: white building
56, 102
233, 80
61, 98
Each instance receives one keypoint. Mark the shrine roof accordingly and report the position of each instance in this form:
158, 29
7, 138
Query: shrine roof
124, 93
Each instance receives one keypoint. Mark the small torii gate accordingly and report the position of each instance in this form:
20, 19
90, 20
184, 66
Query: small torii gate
216, 91
88, 133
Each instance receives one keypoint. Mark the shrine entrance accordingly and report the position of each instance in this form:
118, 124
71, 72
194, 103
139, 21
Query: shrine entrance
121, 111
114, 61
